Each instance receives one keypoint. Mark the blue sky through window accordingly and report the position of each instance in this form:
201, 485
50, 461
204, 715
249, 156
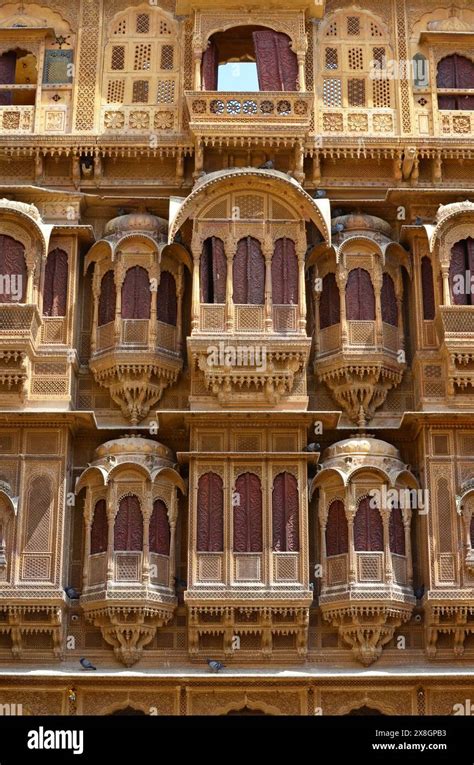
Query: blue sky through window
238, 77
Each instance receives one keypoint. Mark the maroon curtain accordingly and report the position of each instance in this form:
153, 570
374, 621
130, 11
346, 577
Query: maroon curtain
330, 303
471, 529
285, 273
389, 301
210, 66
462, 261
427, 286
55, 284
360, 297
136, 294
455, 73
159, 529
99, 529
128, 529
285, 514
210, 514
396, 532
12, 265
249, 273
277, 65
248, 514
167, 304
337, 535
368, 528
107, 299
213, 271
7, 76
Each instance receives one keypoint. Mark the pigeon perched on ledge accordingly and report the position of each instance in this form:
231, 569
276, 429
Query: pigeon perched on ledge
268, 165
71, 593
214, 665
86, 664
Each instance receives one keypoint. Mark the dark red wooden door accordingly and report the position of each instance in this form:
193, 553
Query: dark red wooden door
248, 514
13, 271
330, 303
461, 271
368, 528
99, 529
389, 301
107, 299
55, 284
360, 297
285, 514
128, 528
284, 273
277, 65
136, 294
396, 532
167, 303
213, 271
249, 273
210, 66
337, 536
159, 538
427, 286
7, 76
210, 513
456, 73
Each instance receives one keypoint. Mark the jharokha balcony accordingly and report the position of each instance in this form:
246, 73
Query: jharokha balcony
455, 326
130, 515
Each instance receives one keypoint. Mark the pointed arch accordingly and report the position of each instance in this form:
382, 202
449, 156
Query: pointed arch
159, 529
396, 531
12, 270
284, 273
55, 284
389, 301
136, 294
368, 528
337, 535
249, 273
128, 527
360, 296
210, 513
248, 514
285, 513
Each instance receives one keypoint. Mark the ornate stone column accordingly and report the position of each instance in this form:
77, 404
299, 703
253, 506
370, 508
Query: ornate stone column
95, 313
351, 509
302, 310
446, 287
301, 56
172, 517
179, 318
196, 292
377, 282
341, 277
152, 324
388, 574
146, 511
119, 278
87, 542
111, 505
230, 249
267, 250
408, 552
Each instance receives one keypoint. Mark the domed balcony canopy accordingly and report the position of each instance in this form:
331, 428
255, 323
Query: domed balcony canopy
214, 184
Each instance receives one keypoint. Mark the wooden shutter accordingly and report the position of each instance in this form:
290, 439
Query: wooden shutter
389, 301
464, 81
337, 536
128, 528
368, 528
277, 65
455, 73
284, 273
471, 530
213, 271
396, 532
55, 284
7, 76
427, 286
285, 514
330, 303
13, 265
360, 297
159, 529
167, 304
210, 66
248, 514
210, 513
136, 294
99, 529
107, 299
249, 273
458, 267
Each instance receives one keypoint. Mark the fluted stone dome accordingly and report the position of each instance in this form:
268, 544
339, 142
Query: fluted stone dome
137, 223
358, 451
362, 223
135, 447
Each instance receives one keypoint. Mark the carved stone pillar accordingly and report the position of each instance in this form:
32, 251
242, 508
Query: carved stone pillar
341, 277
172, 517
316, 301
299, 162
111, 504
231, 247
147, 511
196, 295
95, 311
386, 546
87, 541
179, 319
377, 282
323, 521
408, 551
351, 510
267, 251
153, 326
301, 56
446, 288
119, 277
197, 58
301, 289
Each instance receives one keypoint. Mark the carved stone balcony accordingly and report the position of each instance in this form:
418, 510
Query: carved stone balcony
456, 123
255, 113
338, 121
19, 334
455, 327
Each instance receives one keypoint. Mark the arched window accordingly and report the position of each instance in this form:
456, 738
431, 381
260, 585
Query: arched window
107, 299
99, 529
128, 528
248, 514
461, 270
136, 294
249, 273
455, 77
427, 287
396, 532
360, 297
285, 514
167, 304
55, 284
389, 301
330, 303
18, 67
265, 55
159, 529
213, 271
337, 537
471, 531
284, 273
210, 513
141, 66
368, 528
13, 275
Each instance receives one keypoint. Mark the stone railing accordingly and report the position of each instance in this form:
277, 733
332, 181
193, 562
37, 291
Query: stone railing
456, 123
338, 121
455, 320
137, 334
250, 109
139, 118
19, 321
